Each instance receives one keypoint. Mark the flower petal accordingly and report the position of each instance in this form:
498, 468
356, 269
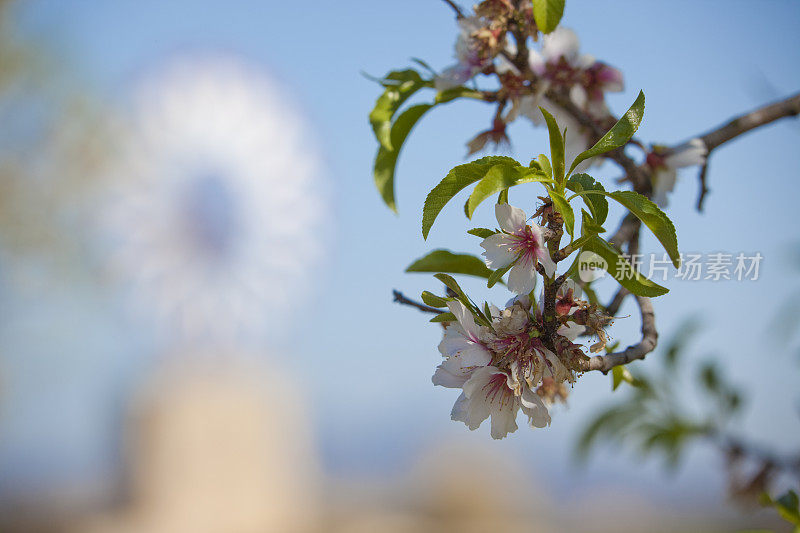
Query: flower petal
504, 416
544, 258
465, 319
664, 182
572, 331
533, 406
498, 250
563, 42
459, 412
687, 155
522, 276
443, 378
511, 219
453, 341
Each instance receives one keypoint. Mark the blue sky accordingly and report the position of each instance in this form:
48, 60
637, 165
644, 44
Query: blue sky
369, 361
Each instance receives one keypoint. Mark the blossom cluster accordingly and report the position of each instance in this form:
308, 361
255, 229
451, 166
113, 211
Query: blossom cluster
527, 78
504, 360
554, 74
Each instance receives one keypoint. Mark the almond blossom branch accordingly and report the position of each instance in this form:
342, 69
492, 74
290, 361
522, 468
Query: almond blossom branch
789, 107
401, 299
604, 363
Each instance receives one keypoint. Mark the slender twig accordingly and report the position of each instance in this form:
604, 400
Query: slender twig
401, 299
703, 186
604, 363
459, 13
616, 302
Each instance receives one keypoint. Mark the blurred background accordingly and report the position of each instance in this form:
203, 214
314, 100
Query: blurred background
196, 324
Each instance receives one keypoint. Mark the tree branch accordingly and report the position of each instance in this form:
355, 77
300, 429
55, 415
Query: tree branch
790, 107
604, 363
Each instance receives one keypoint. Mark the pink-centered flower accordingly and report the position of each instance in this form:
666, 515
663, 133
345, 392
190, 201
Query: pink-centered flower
490, 393
561, 64
518, 244
463, 349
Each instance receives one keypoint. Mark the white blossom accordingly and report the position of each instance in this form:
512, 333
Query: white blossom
489, 393
665, 164
520, 245
469, 60
462, 348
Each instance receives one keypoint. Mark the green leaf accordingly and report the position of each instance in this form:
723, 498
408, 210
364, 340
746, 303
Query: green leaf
787, 506
497, 275
547, 14
444, 317
621, 270
597, 203
458, 178
431, 299
400, 85
500, 178
481, 232
618, 135
447, 261
556, 145
589, 226
386, 159
451, 94
453, 286
545, 164
563, 207
620, 374
654, 218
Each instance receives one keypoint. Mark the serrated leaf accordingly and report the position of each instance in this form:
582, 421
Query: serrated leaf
618, 135
547, 14
432, 300
597, 203
399, 86
654, 218
622, 271
452, 263
556, 146
562, 206
500, 178
386, 159
481, 232
444, 317
455, 181
589, 226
